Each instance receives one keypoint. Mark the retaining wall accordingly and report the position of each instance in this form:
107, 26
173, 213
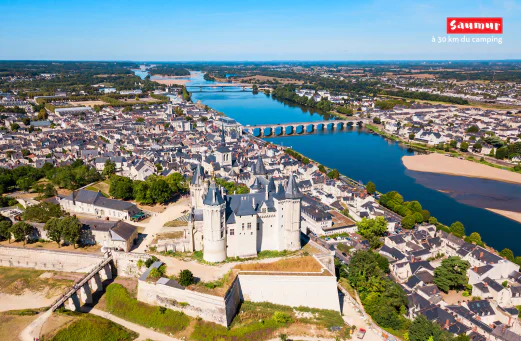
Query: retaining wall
310, 291
217, 309
48, 259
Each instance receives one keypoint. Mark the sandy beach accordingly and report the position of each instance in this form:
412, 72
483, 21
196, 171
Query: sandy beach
516, 216
438, 163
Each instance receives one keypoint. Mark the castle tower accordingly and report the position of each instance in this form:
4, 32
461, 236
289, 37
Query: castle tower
197, 187
214, 226
291, 217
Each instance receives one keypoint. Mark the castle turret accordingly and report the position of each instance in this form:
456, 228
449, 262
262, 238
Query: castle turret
197, 185
214, 227
291, 217
258, 168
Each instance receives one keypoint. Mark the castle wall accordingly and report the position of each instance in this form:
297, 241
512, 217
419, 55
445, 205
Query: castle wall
220, 310
48, 259
294, 291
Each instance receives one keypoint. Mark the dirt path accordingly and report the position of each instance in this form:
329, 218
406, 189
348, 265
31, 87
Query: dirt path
144, 333
26, 301
155, 224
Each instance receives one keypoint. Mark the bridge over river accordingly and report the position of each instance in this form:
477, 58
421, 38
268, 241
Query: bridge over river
285, 129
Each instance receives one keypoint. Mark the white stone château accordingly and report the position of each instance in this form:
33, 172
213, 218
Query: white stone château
241, 225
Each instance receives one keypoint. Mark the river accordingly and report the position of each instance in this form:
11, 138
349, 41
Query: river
367, 157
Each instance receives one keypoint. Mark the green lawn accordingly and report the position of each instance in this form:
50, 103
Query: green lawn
121, 304
94, 328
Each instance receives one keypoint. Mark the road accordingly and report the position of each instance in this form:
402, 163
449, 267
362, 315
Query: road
158, 220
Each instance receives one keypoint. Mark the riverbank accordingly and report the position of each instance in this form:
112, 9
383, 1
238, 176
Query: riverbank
515, 216
438, 163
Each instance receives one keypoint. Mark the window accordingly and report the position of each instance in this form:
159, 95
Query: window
249, 226
258, 226
232, 232
264, 210
243, 226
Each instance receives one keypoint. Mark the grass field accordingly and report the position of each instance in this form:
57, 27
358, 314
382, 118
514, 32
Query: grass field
120, 303
300, 264
15, 281
91, 328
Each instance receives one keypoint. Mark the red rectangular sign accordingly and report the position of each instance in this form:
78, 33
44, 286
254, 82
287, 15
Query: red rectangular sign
475, 25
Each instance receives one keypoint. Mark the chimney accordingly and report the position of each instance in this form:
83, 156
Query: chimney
481, 254
253, 202
504, 328
459, 303
510, 320
447, 324
475, 269
486, 284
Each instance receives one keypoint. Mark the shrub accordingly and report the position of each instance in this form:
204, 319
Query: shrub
282, 318
186, 278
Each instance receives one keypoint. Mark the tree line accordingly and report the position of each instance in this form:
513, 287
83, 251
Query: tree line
155, 189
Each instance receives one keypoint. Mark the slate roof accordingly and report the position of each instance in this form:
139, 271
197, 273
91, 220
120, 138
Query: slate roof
97, 199
213, 196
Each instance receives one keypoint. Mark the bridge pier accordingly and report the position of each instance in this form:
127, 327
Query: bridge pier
73, 303
96, 282
106, 272
86, 293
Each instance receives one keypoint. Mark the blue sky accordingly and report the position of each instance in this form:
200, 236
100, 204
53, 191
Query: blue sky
178, 30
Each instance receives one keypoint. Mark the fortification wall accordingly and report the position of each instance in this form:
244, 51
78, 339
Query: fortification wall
48, 260
126, 263
310, 291
217, 309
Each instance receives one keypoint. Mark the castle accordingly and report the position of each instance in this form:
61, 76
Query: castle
241, 225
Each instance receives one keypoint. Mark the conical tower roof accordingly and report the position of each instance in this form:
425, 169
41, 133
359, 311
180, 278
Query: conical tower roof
292, 191
271, 185
213, 196
259, 168
198, 177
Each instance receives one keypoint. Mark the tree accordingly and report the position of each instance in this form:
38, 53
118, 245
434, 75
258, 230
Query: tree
426, 215
501, 153
433, 220
408, 222
5, 226
370, 187
453, 144
159, 191
42, 115
121, 187
24, 183
473, 129
109, 168
457, 229
140, 120
71, 229
186, 278
334, 174
372, 229
476, 147
42, 212
508, 254
411, 136
452, 273
464, 147
177, 183
54, 230
49, 191
21, 231
474, 238
418, 217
